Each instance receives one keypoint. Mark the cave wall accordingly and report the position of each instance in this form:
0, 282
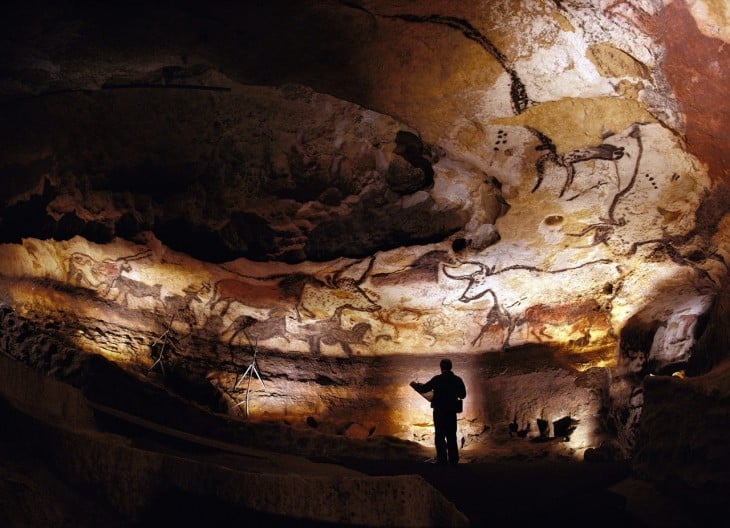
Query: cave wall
344, 187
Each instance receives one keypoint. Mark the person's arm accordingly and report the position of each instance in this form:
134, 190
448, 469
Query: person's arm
418, 387
422, 387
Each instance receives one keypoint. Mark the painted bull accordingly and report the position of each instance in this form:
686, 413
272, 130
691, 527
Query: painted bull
574, 318
476, 281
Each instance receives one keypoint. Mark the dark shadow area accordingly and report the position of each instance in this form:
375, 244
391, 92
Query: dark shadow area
524, 493
180, 508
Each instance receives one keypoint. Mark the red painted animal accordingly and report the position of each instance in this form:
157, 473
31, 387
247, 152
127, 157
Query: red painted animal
573, 318
253, 294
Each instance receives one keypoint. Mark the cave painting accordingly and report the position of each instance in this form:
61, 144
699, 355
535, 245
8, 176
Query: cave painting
83, 270
328, 299
604, 151
518, 92
498, 320
182, 305
307, 295
605, 230
309, 306
331, 332
570, 319
579, 318
628, 115
249, 293
108, 278
477, 281
408, 319
258, 329
124, 287
295, 306
520, 102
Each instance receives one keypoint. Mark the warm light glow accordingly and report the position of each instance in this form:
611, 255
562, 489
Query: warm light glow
116, 352
601, 363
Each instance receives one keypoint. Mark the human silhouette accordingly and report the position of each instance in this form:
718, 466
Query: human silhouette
448, 391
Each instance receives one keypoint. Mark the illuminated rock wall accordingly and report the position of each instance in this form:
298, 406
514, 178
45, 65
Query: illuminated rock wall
372, 189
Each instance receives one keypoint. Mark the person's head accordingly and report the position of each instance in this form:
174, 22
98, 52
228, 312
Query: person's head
445, 365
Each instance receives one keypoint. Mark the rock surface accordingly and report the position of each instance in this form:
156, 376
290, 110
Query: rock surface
346, 192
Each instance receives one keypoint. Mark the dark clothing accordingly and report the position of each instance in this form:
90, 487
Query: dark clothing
447, 450
447, 389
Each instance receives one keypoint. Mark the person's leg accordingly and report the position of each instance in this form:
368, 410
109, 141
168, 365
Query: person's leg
440, 438
451, 444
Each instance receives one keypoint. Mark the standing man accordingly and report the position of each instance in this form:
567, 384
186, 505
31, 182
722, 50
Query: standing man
448, 391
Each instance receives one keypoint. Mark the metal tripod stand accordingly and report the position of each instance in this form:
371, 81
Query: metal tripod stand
250, 371
164, 337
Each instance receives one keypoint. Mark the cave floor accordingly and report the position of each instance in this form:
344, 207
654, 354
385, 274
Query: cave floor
521, 492
521, 484
499, 492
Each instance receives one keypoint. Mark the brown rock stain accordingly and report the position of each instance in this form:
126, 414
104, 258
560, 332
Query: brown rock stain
698, 68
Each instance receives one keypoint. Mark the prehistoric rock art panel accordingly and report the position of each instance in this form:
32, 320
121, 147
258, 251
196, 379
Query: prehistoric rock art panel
588, 186
294, 306
477, 280
184, 306
518, 93
604, 151
319, 300
580, 318
246, 293
331, 332
83, 270
402, 320
569, 319
280, 306
498, 320
110, 279
124, 287
259, 329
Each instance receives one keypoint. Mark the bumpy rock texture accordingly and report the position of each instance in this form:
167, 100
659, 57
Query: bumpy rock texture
352, 190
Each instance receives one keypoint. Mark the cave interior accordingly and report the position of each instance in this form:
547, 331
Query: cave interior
231, 233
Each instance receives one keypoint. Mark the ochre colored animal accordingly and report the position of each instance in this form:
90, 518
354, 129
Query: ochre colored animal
580, 317
252, 294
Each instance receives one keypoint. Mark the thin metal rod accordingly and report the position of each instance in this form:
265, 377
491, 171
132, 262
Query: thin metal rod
252, 369
162, 336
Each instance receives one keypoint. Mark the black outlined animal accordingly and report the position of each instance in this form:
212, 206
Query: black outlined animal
257, 329
498, 319
182, 305
604, 151
478, 282
320, 299
84, 270
126, 286
330, 332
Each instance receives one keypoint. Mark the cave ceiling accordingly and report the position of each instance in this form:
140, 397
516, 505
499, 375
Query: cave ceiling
346, 179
